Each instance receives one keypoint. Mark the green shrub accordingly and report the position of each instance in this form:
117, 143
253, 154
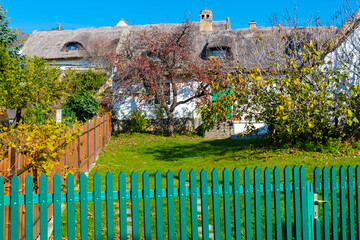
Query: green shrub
107, 99
86, 81
333, 146
159, 111
356, 145
68, 115
83, 105
138, 121
34, 115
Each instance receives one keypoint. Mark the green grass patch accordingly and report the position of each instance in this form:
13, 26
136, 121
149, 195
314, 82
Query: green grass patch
140, 152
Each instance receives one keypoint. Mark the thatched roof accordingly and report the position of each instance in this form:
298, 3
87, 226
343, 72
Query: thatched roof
251, 47
347, 29
51, 45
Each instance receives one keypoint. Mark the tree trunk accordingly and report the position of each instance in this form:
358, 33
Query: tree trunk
18, 116
170, 124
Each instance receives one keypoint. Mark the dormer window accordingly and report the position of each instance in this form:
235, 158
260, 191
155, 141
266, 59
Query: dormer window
219, 52
154, 57
73, 46
295, 45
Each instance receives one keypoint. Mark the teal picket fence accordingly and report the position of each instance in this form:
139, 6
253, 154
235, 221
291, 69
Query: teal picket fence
262, 205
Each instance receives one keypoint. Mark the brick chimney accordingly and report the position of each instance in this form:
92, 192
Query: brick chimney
206, 20
228, 27
252, 24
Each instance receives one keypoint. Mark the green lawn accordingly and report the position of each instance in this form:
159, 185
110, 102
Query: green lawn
140, 152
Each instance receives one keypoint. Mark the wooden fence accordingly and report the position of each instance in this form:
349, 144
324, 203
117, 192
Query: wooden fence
78, 158
271, 208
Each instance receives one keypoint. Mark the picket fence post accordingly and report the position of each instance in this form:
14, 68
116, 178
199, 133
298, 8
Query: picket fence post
57, 207
28, 207
14, 228
43, 208
182, 205
97, 206
325, 197
316, 190
277, 204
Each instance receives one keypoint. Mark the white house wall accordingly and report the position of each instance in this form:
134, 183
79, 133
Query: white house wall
76, 64
124, 108
240, 127
350, 48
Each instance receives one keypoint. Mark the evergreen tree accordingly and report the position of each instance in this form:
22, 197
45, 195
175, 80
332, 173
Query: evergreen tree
8, 35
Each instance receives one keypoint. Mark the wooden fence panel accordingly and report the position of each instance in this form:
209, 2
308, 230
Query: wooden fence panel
78, 157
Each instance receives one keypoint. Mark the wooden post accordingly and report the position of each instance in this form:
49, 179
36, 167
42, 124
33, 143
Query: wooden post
87, 147
110, 126
103, 132
100, 136
66, 162
94, 139
58, 115
78, 149
106, 133
12, 156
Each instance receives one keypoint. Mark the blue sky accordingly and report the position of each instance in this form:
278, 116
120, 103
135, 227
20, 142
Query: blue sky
30, 15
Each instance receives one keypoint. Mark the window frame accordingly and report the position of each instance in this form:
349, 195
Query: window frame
224, 50
73, 46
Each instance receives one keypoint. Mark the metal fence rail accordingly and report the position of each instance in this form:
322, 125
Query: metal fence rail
269, 207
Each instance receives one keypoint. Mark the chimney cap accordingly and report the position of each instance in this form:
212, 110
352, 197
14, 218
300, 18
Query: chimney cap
252, 24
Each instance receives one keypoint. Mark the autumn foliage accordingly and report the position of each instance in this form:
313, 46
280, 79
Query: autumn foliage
311, 100
42, 144
160, 65
31, 84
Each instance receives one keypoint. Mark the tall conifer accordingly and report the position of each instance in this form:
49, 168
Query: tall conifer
8, 35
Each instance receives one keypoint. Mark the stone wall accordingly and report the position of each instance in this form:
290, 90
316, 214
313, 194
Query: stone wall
221, 130
182, 125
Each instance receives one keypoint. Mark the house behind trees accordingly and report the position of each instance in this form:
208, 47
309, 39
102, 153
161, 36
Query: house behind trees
247, 47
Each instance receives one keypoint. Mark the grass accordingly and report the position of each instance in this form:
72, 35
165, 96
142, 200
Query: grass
140, 152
